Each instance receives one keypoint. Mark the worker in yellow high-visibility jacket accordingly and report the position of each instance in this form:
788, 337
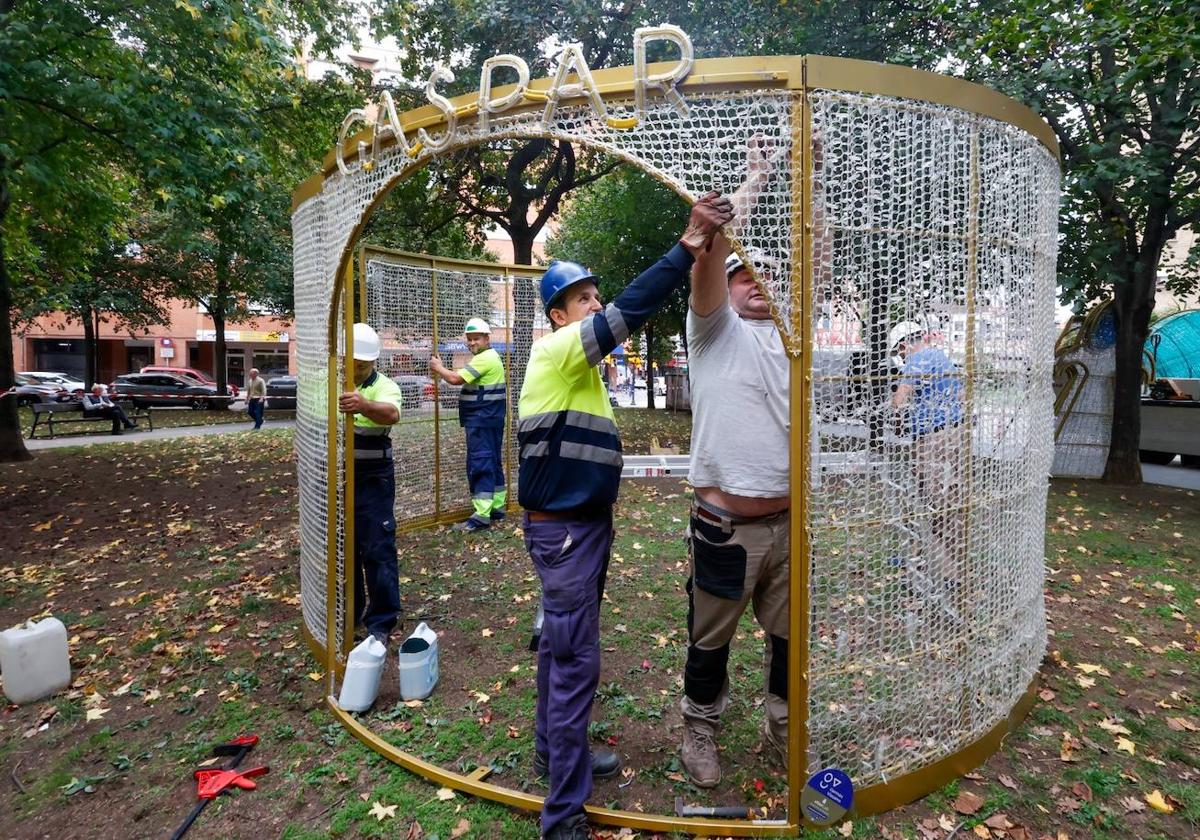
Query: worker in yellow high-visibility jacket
570, 469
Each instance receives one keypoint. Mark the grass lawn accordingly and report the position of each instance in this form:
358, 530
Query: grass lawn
177, 578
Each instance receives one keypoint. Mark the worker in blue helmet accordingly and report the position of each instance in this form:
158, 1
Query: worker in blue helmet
570, 468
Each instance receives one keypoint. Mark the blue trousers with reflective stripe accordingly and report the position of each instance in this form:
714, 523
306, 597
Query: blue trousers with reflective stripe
485, 460
571, 558
376, 577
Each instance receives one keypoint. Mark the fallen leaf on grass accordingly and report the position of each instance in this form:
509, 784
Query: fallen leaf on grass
459, 830
945, 823
1084, 682
1132, 804
1164, 805
382, 812
1180, 724
1000, 822
1092, 669
1110, 725
96, 714
415, 832
445, 794
1046, 694
846, 828
1007, 781
1082, 790
967, 803
1125, 745
486, 632
315, 676
981, 830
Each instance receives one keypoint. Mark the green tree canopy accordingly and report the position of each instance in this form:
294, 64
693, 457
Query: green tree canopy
618, 227
1118, 83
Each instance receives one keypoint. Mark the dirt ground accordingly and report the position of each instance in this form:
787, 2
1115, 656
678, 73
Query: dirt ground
174, 566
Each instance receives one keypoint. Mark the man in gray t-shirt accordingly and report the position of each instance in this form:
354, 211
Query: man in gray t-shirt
738, 531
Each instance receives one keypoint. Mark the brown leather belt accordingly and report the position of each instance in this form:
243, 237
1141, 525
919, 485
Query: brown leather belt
546, 515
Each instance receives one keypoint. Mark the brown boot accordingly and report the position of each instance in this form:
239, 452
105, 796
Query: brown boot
700, 754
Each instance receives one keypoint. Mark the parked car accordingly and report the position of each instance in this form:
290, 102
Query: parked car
189, 373
62, 380
281, 392
164, 389
416, 389
29, 392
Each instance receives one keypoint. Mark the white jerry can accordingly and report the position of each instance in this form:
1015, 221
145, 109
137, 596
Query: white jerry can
364, 667
419, 663
34, 660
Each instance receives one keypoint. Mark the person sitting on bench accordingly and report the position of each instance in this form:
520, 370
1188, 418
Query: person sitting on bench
97, 404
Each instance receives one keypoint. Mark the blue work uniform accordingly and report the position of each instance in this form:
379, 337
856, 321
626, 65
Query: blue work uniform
376, 576
481, 413
937, 391
570, 470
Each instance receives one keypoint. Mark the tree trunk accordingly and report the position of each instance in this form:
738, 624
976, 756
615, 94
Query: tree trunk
650, 365
12, 446
217, 310
525, 300
91, 329
1133, 303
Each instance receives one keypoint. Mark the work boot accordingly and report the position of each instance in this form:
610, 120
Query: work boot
497, 515
572, 828
700, 754
471, 525
774, 751
605, 764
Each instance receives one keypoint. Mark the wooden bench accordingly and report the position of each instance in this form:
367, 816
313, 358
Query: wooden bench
49, 415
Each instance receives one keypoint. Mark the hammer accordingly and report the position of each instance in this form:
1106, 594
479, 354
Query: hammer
735, 812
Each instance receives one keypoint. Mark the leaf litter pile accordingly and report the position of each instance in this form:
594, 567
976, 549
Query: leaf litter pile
173, 565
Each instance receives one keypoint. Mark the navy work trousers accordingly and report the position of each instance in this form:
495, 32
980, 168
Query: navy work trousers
571, 557
485, 462
376, 577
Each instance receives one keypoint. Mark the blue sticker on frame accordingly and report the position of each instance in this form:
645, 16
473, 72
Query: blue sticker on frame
827, 796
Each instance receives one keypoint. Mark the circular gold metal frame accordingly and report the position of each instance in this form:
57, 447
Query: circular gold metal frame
796, 73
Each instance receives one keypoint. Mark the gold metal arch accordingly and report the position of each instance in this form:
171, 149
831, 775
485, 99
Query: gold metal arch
797, 73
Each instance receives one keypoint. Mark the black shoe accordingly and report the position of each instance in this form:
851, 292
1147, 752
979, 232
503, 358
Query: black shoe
498, 515
116, 431
605, 764
572, 828
471, 525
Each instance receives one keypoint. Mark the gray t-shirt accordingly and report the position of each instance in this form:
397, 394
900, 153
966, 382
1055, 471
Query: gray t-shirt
740, 421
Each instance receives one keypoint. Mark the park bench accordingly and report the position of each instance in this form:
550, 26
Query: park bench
49, 415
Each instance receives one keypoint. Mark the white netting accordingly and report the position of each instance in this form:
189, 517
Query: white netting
926, 598
400, 294
1084, 375
925, 608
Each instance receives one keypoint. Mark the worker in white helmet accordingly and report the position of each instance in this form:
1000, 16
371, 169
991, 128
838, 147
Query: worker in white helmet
481, 413
375, 404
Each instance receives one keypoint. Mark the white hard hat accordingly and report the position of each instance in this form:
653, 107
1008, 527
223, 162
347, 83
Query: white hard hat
902, 332
477, 325
732, 263
366, 343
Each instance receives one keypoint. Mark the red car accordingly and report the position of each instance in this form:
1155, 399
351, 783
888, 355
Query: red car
188, 373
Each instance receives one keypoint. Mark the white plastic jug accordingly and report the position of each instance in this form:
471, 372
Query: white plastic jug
364, 667
34, 660
419, 663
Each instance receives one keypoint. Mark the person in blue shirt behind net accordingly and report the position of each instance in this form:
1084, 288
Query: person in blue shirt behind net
570, 469
931, 389
481, 413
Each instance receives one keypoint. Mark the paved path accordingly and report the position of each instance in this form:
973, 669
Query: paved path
1172, 475
97, 439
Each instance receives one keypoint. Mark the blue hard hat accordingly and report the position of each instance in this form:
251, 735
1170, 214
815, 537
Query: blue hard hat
561, 274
